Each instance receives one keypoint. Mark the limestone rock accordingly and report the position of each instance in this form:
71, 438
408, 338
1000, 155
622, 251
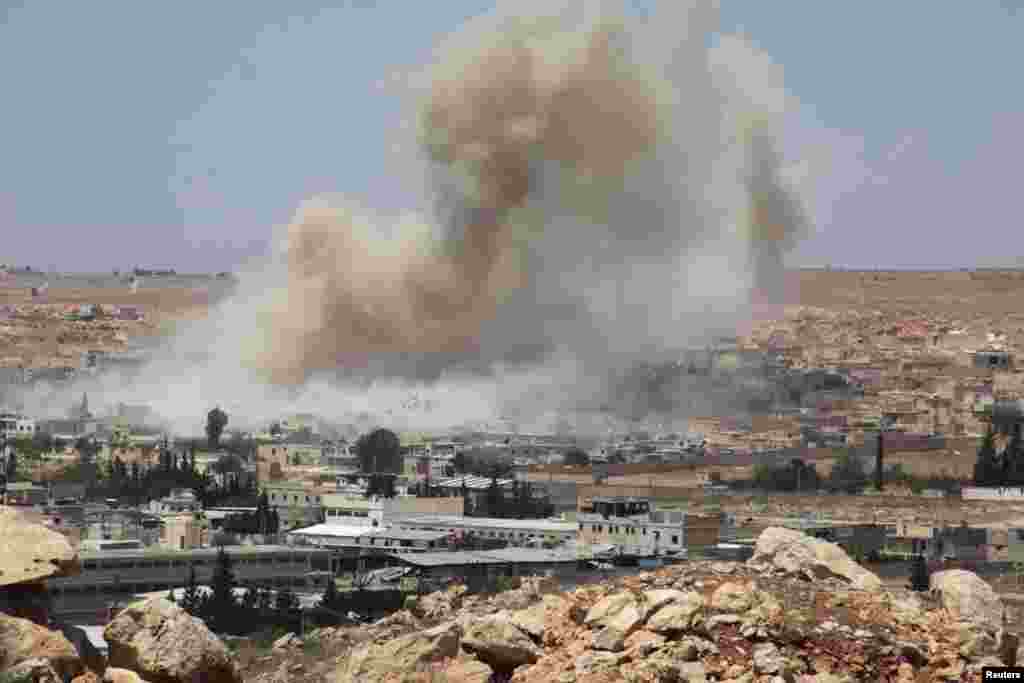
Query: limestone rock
115, 675
683, 613
967, 597
467, 670
164, 644
31, 552
34, 670
798, 553
400, 656
733, 597
499, 643
22, 640
621, 611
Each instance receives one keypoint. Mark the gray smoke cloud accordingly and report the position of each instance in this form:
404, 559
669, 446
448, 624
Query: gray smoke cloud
600, 192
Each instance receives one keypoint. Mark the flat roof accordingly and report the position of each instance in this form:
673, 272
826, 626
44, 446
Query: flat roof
490, 557
148, 553
538, 525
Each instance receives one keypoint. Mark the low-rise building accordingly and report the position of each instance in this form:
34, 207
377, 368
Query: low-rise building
26, 493
297, 504
512, 531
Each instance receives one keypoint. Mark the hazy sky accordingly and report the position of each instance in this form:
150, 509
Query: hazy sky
177, 134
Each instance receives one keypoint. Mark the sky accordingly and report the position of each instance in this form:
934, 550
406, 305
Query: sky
180, 134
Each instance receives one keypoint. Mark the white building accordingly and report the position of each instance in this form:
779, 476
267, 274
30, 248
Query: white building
16, 426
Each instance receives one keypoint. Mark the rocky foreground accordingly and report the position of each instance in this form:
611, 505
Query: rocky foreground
799, 611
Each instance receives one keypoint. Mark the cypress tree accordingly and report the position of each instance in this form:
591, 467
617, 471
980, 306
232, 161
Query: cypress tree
920, 577
190, 598
223, 607
986, 469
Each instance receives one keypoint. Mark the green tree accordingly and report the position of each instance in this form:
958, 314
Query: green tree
848, 474
216, 421
577, 457
987, 467
191, 599
331, 599
379, 452
222, 608
920, 577
287, 603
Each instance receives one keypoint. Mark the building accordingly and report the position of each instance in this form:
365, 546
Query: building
481, 567
512, 531
633, 528
297, 504
182, 532
16, 426
357, 510
26, 493
339, 456
370, 538
114, 574
273, 460
993, 359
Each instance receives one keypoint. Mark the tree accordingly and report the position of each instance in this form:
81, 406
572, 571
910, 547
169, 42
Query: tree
986, 468
275, 429
287, 603
191, 600
216, 421
577, 457
848, 474
222, 608
1013, 463
331, 599
12, 466
920, 577
379, 452
459, 462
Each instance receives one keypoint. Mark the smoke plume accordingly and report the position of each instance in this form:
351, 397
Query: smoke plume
602, 191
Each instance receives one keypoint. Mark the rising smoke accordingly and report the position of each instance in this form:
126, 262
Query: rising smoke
603, 191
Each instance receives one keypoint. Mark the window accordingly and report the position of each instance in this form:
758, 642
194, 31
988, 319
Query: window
643, 530
675, 540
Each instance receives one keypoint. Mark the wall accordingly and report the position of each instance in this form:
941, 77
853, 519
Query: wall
992, 493
410, 506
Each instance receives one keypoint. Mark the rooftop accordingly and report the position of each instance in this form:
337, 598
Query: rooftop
503, 556
150, 553
453, 521
472, 483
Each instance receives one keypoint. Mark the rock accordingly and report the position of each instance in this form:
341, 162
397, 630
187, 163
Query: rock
907, 609
532, 619
974, 643
163, 643
467, 670
723, 567
968, 598
642, 643
767, 659
115, 675
654, 600
609, 639
34, 670
285, 642
733, 597
22, 640
440, 604
91, 657
683, 613
594, 662
692, 672
621, 611
798, 553
399, 656
87, 677
721, 620
499, 644
912, 653
31, 552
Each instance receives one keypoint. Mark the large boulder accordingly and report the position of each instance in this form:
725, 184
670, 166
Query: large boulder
797, 553
31, 552
968, 598
32, 671
22, 640
497, 642
164, 644
406, 655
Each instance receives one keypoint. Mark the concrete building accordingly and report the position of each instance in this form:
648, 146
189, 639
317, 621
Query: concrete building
370, 538
479, 567
16, 426
297, 504
274, 460
118, 574
26, 493
183, 532
357, 510
512, 531
633, 528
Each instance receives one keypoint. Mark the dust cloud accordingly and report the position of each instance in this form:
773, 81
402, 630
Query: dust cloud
602, 191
